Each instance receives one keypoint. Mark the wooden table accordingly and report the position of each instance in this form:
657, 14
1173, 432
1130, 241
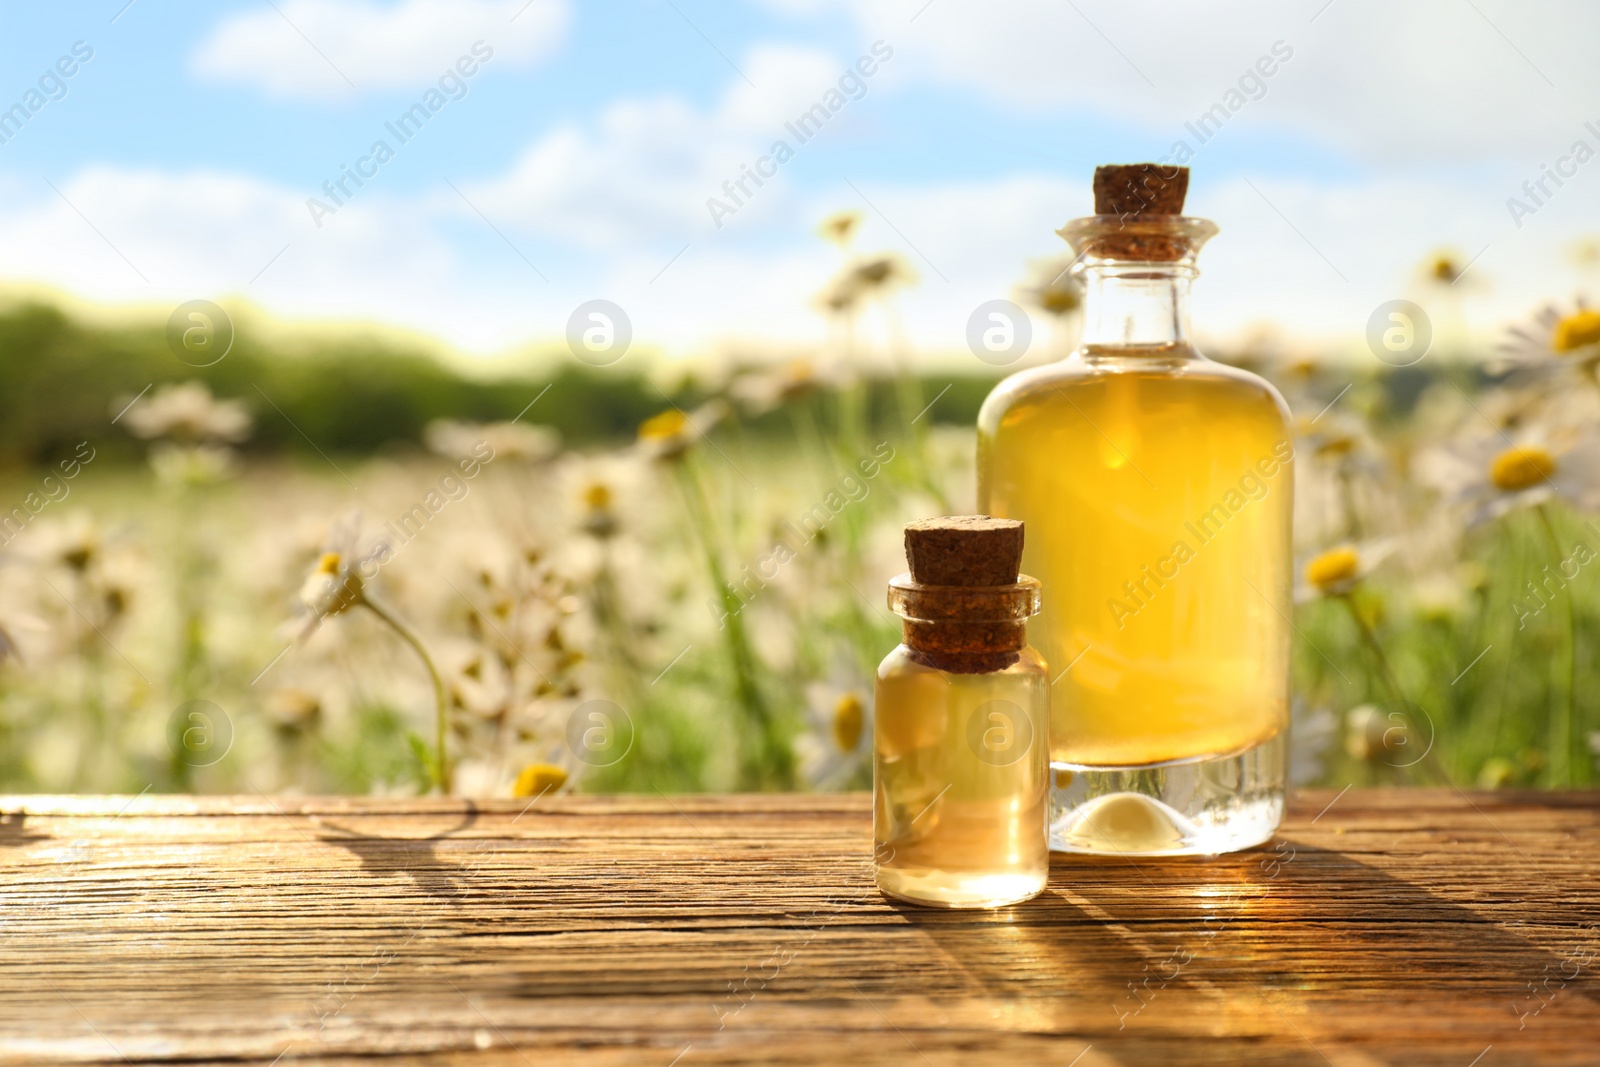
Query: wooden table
1383, 927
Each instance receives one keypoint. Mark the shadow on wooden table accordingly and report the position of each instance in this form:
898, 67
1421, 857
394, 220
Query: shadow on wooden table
14, 831
414, 857
1404, 928
1225, 944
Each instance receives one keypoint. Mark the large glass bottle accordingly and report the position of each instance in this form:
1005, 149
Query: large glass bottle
1157, 489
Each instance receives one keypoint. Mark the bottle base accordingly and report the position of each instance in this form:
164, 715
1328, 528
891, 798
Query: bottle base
1198, 807
947, 889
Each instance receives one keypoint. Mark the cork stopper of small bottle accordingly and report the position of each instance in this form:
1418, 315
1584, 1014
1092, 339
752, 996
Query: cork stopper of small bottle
967, 550
1139, 194
964, 603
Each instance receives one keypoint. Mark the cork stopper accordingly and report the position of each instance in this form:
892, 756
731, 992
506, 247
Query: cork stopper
1138, 214
1137, 189
965, 550
964, 604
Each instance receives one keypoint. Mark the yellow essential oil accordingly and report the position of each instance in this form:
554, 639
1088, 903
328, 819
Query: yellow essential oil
960, 782
1161, 543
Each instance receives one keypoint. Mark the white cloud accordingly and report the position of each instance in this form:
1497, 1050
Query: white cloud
784, 81
643, 172
125, 232
309, 48
1317, 271
607, 208
144, 235
1388, 82
413, 261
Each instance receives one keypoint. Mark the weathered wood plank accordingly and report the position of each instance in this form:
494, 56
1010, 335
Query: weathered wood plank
1390, 927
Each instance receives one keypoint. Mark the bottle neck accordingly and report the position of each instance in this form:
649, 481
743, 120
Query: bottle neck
1136, 309
964, 629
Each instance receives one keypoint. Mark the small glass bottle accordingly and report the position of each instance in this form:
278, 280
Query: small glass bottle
1157, 487
959, 750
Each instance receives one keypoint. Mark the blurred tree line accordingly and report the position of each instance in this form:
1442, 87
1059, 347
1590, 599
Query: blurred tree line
62, 380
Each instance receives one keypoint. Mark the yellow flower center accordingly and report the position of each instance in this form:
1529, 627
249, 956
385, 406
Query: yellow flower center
597, 496
1333, 568
848, 713
1060, 299
663, 427
1340, 445
78, 556
1521, 467
329, 563
839, 227
538, 779
876, 271
1577, 330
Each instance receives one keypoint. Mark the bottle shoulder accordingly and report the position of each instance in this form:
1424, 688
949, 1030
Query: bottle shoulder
1191, 373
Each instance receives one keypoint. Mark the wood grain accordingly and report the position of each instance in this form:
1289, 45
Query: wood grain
1383, 927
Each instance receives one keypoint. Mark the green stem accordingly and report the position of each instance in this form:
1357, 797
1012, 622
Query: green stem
850, 526
441, 704
94, 707
1347, 500
909, 394
1393, 682
1564, 729
193, 578
803, 417
613, 622
853, 397
774, 754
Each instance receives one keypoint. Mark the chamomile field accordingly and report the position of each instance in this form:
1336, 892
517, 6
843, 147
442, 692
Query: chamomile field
675, 581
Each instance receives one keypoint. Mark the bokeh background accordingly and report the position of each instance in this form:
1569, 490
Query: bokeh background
561, 374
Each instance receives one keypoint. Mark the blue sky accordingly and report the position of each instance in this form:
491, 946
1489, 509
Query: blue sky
579, 162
